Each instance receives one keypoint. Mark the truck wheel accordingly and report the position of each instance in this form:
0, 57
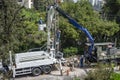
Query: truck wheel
36, 71
47, 69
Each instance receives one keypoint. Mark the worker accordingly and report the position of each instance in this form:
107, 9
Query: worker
108, 49
40, 21
70, 64
48, 50
40, 25
58, 32
81, 61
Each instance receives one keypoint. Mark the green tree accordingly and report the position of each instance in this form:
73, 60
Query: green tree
71, 51
10, 26
11, 29
84, 14
42, 4
111, 11
33, 37
19, 28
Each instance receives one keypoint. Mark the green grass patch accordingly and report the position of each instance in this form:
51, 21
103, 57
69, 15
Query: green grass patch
115, 76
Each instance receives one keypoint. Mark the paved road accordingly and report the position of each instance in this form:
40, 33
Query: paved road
55, 75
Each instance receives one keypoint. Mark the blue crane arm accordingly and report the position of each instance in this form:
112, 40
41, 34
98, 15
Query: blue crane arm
74, 23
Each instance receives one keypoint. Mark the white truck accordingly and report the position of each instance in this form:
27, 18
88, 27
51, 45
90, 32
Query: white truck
36, 62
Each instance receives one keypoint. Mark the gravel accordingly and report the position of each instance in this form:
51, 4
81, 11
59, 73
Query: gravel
55, 75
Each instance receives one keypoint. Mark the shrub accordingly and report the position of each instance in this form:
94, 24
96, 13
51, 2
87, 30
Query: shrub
70, 51
100, 73
115, 76
76, 79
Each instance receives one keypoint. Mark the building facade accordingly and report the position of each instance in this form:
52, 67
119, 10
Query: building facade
97, 4
26, 3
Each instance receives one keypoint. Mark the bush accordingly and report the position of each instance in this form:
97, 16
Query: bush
115, 76
76, 79
100, 73
70, 51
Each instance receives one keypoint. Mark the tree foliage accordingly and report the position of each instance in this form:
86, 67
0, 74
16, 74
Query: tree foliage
101, 72
10, 26
34, 37
19, 26
71, 51
82, 11
111, 11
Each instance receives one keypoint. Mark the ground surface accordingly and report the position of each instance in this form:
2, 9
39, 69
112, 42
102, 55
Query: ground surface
55, 75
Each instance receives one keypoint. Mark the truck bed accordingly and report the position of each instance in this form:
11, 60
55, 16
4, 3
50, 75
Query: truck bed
32, 59
111, 56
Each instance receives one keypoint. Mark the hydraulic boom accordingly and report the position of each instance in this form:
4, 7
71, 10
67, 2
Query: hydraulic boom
74, 23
